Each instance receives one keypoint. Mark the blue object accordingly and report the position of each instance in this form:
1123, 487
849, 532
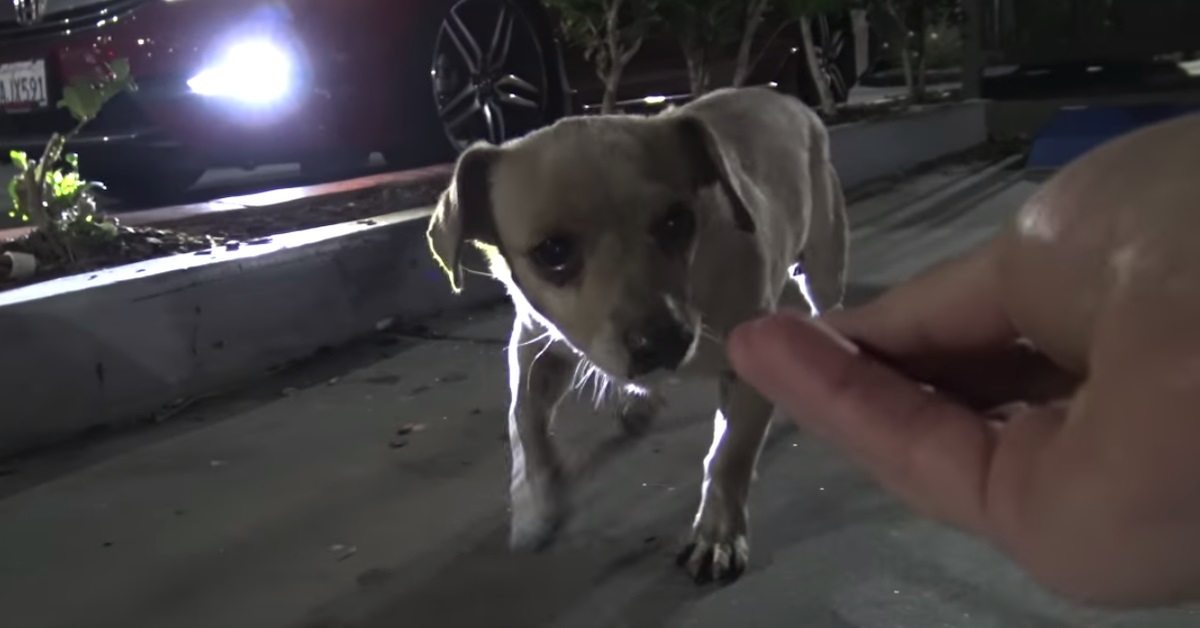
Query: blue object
1074, 131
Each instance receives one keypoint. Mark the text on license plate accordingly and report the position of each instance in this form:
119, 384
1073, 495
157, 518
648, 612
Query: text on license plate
23, 85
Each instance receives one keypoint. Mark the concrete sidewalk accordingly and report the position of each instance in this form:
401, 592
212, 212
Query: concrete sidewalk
300, 505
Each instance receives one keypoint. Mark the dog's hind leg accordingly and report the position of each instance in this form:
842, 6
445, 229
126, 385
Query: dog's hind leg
720, 543
539, 376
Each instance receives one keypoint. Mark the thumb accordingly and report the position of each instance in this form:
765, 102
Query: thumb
928, 450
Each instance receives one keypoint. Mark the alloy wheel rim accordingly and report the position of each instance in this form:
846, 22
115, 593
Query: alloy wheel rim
488, 78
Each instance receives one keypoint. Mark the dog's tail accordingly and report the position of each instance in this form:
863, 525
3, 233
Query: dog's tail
825, 258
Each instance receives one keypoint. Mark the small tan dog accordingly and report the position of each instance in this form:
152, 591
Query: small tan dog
631, 245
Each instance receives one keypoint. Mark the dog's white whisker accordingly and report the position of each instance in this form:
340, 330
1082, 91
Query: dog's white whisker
537, 339
712, 334
578, 376
546, 348
605, 388
598, 385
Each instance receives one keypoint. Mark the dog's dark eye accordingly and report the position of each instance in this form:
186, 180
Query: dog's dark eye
674, 230
556, 256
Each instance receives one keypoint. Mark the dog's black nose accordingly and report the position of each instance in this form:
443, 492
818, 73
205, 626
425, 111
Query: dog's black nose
661, 346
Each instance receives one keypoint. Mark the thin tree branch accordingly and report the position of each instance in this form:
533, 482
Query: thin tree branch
610, 26
753, 18
762, 50
632, 50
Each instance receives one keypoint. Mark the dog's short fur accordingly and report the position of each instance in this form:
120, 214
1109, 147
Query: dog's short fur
631, 245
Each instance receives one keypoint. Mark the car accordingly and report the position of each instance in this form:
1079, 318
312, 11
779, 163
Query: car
326, 83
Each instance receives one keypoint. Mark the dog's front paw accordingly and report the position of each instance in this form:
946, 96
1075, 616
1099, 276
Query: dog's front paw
719, 548
539, 512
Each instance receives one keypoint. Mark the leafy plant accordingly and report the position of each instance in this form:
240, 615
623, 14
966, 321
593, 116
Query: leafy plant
752, 18
803, 11
912, 23
48, 192
704, 29
610, 33
707, 28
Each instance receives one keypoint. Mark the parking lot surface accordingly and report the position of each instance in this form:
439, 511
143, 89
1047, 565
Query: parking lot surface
368, 489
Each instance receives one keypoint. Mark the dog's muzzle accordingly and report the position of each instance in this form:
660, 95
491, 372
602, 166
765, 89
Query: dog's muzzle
657, 346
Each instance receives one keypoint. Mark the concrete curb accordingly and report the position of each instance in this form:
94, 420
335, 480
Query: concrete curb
865, 151
115, 346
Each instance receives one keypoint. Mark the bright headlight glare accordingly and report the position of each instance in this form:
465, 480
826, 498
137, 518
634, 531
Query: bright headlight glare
253, 71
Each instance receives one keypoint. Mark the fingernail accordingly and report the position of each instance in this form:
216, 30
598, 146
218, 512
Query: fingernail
833, 335
745, 341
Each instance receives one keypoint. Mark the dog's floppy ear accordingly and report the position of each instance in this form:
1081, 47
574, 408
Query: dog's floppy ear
711, 163
463, 211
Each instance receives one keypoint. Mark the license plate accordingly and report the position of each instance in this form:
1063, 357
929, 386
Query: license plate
23, 86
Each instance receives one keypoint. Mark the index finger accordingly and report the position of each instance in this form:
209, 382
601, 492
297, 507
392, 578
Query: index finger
933, 453
953, 308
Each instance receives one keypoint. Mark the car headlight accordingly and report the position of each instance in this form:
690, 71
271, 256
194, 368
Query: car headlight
256, 71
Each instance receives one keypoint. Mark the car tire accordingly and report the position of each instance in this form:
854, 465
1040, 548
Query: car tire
835, 47
469, 91
141, 182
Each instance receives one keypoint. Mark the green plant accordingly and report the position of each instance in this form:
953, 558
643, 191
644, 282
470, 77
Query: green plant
704, 30
610, 33
707, 28
912, 23
803, 11
746, 60
49, 192
944, 49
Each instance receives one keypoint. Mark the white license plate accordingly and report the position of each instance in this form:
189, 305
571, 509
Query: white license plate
23, 85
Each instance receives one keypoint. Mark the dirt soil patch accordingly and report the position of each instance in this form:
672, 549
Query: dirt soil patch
889, 107
201, 233
257, 223
130, 245
248, 224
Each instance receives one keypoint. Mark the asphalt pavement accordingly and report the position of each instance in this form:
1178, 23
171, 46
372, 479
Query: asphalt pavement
367, 489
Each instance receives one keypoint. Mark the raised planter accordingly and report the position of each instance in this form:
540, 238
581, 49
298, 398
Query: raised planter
864, 151
116, 345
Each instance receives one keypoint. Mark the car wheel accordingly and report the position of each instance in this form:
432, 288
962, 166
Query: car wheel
141, 182
494, 74
490, 77
833, 41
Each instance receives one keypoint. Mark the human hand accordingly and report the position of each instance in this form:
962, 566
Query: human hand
904, 386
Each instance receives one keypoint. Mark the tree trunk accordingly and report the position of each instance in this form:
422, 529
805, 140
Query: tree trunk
612, 79
612, 54
904, 45
917, 22
906, 62
919, 76
824, 93
697, 69
743, 64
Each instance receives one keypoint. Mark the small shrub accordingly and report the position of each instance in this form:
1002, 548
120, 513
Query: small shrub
48, 192
944, 47
609, 32
918, 27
